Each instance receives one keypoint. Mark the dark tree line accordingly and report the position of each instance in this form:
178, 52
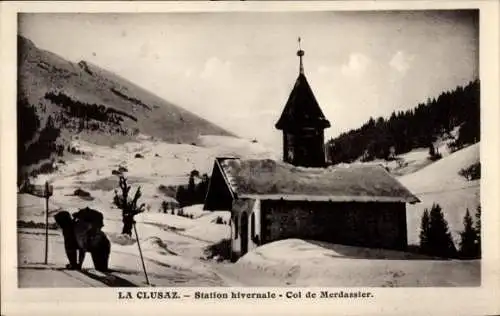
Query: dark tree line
88, 111
35, 143
415, 128
38, 140
28, 125
193, 193
131, 99
436, 240
79, 124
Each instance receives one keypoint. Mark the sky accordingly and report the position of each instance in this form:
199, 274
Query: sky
237, 69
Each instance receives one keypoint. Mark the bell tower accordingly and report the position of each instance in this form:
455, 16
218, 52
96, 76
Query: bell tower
303, 124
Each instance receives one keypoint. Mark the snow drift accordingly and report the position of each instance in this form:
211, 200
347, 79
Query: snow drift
307, 263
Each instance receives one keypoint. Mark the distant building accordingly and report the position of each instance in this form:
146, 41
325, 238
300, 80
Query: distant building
270, 200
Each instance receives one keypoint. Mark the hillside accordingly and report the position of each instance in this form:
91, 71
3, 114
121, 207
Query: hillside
160, 163
440, 183
420, 127
81, 98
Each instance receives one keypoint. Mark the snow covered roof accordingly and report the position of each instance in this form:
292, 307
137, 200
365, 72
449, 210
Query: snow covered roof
270, 179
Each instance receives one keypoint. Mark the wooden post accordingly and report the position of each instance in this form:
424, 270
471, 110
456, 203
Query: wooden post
42, 191
140, 252
46, 221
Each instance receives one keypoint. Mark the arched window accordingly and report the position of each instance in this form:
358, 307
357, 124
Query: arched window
252, 226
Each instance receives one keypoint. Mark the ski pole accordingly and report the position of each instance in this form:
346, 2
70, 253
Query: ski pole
140, 252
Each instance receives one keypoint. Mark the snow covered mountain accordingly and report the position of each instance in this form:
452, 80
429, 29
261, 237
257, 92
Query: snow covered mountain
100, 105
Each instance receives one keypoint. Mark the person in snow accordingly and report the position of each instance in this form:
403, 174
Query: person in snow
83, 234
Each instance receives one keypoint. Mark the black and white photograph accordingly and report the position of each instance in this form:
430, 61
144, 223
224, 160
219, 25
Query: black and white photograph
332, 148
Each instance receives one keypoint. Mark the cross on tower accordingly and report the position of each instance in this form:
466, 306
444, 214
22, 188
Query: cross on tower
300, 53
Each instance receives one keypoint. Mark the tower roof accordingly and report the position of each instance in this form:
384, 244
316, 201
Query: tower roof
302, 109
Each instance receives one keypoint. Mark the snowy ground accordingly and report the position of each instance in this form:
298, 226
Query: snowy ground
440, 183
297, 262
173, 246
163, 268
413, 161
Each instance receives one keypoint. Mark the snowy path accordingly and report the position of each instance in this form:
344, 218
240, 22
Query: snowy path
41, 275
127, 268
181, 270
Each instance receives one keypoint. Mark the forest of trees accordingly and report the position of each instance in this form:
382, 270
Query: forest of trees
28, 124
416, 128
88, 111
39, 140
131, 99
35, 143
436, 240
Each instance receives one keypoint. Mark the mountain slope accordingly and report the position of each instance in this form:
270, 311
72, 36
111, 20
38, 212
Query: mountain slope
99, 104
440, 183
419, 127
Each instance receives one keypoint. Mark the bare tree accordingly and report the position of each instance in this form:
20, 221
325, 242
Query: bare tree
129, 207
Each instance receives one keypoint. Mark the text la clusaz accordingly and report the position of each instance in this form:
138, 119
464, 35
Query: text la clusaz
148, 295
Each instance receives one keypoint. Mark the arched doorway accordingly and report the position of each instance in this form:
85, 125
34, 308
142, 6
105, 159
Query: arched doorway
244, 233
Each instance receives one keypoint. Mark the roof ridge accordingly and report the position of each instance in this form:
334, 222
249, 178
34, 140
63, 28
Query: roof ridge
332, 198
226, 171
362, 183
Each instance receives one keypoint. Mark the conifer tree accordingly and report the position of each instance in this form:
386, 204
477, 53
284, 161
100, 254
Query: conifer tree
432, 150
435, 238
180, 196
201, 189
424, 232
468, 237
191, 189
190, 197
477, 228
439, 238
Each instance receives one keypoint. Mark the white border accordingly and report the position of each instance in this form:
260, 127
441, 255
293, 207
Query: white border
480, 300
